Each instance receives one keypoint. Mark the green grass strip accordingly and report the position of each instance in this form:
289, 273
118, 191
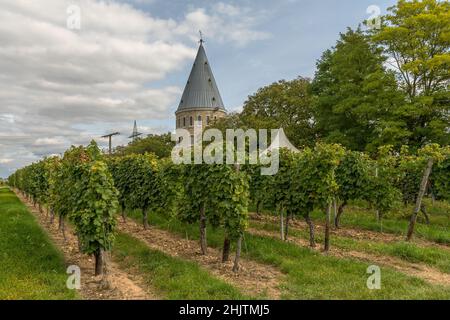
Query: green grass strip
311, 275
173, 278
397, 222
31, 267
410, 252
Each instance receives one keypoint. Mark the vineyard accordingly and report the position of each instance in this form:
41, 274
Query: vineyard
317, 224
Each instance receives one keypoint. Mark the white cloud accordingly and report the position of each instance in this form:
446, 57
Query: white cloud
54, 81
225, 23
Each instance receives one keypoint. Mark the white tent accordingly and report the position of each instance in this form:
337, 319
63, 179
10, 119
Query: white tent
280, 141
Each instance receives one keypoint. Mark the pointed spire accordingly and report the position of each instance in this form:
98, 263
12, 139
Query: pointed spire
201, 90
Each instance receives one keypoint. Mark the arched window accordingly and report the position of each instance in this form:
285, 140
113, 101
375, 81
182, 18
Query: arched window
199, 119
191, 121
207, 120
178, 122
184, 122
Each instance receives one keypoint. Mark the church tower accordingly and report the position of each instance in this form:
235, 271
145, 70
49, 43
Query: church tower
201, 101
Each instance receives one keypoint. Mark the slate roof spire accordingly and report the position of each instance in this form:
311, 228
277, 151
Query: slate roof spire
201, 91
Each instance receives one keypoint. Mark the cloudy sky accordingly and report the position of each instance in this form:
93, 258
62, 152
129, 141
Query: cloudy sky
62, 85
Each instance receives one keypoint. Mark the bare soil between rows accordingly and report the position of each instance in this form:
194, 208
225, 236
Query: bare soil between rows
122, 285
253, 278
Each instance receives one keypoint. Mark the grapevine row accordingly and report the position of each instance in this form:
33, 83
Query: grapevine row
89, 189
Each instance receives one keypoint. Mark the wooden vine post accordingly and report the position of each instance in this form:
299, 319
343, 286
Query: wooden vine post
226, 249
423, 186
239, 240
203, 243
327, 228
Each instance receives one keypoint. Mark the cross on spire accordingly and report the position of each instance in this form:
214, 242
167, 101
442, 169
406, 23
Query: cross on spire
201, 37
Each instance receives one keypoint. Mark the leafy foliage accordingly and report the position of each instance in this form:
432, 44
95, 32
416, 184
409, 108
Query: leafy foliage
78, 186
415, 36
355, 94
284, 104
160, 145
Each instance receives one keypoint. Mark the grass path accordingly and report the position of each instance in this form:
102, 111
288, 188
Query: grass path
419, 270
413, 253
123, 286
310, 274
396, 223
172, 277
138, 272
254, 279
31, 267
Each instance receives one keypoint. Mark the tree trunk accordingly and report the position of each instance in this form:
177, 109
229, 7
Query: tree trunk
286, 229
312, 241
423, 209
238, 254
203, 242
52, 216
226, 249
106, 257
281, 225
419, 198
257, 207
124, 215
145, 219
62, 227
340, 211
80, 248
98, 262
327, 229
334, 209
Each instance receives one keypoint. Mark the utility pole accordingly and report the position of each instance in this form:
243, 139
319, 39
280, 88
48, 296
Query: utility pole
109, 136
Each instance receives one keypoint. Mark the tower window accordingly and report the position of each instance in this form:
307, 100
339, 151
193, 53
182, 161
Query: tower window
184, 122
199, 118
191, 121
207, 120
178, 122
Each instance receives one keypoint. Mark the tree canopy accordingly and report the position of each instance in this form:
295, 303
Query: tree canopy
415, 35
160, 145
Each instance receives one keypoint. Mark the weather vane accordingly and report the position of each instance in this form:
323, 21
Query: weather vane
201, 36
